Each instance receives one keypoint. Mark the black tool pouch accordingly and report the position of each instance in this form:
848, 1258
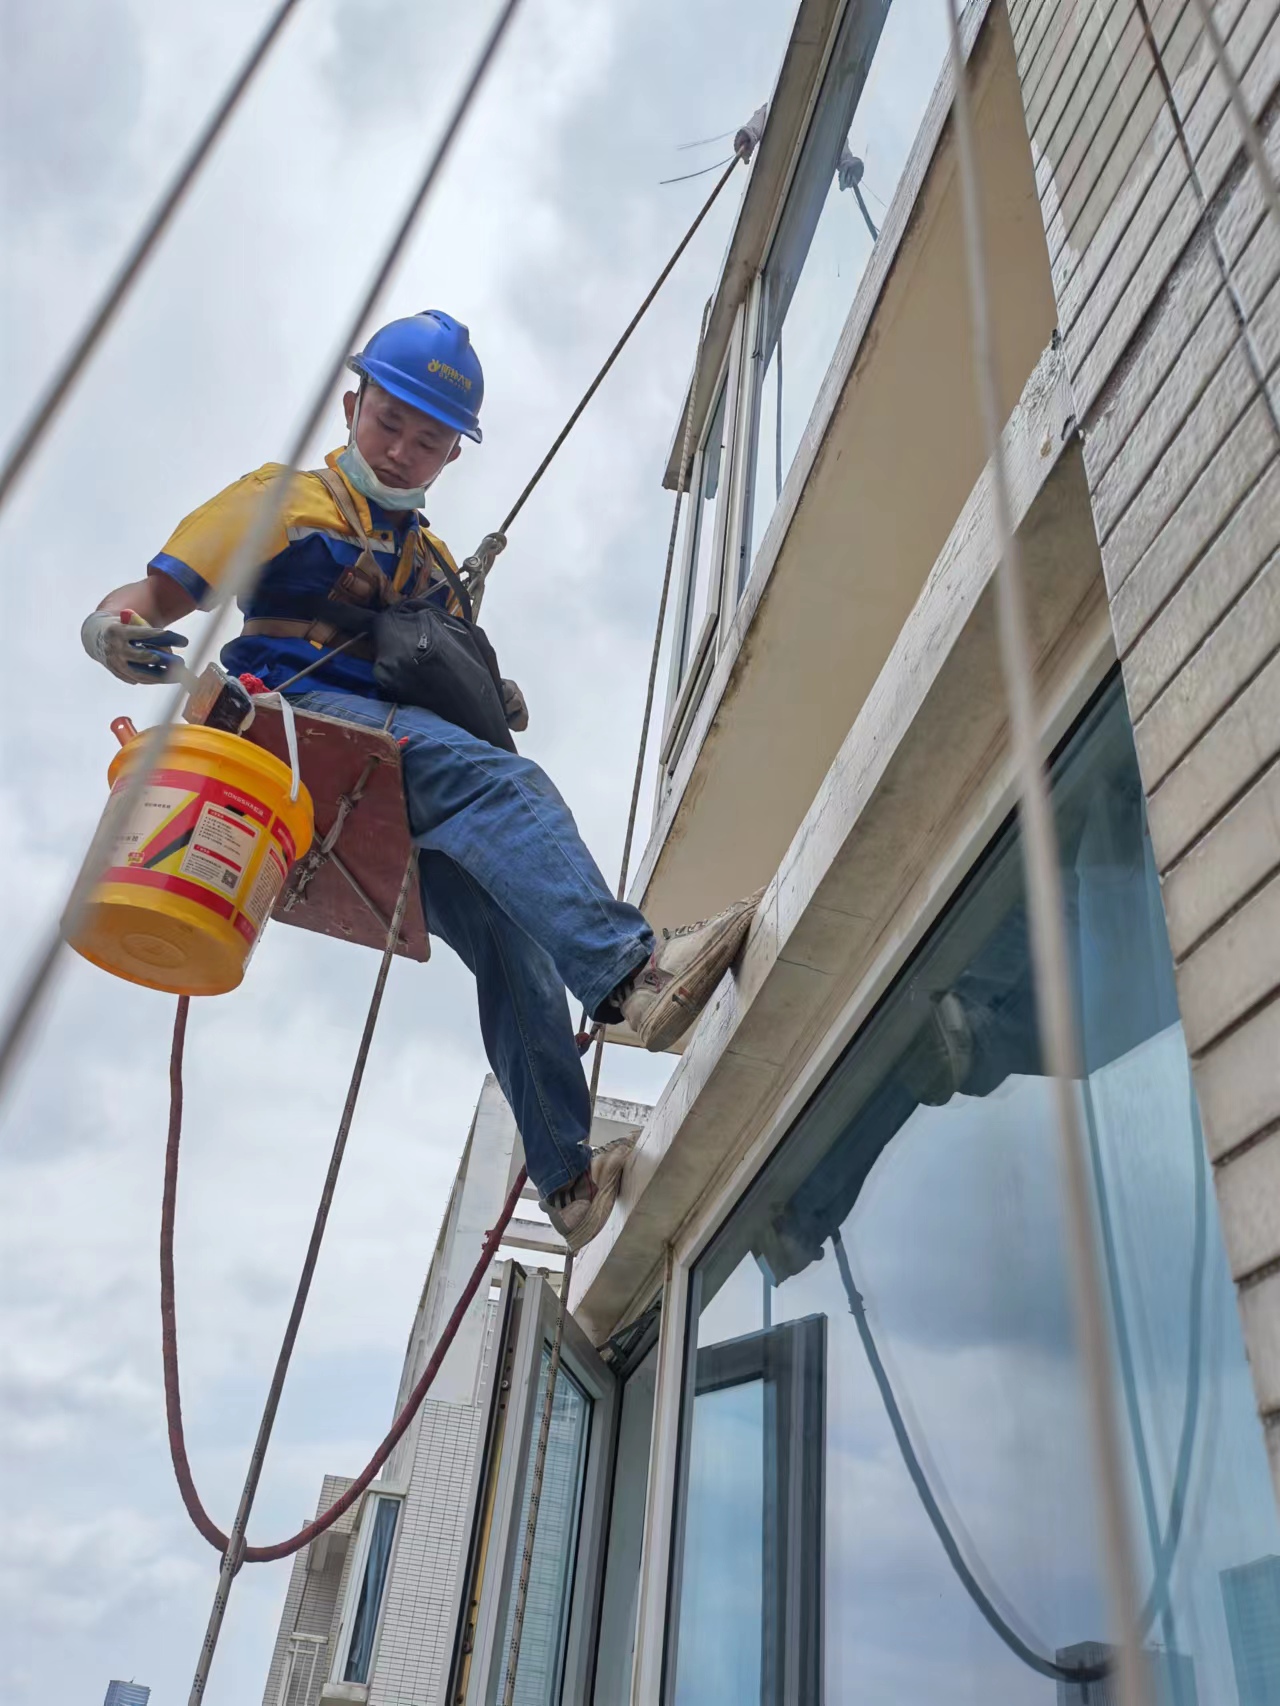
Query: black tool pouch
426, 656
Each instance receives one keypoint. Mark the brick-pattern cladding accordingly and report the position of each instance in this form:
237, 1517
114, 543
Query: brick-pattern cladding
1166, 271
416, 1636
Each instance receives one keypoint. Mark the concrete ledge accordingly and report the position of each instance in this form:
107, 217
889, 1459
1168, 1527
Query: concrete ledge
926, 751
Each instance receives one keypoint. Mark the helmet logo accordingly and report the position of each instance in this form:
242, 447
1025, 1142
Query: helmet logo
448, 373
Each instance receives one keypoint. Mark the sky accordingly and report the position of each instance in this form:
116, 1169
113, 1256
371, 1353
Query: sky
547, 229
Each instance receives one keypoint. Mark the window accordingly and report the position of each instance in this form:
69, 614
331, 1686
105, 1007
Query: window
915, 1212
546, 1616
753, 1525
370, 1568
617, 1639
883, 68
709, 530
563, 1599
702, 594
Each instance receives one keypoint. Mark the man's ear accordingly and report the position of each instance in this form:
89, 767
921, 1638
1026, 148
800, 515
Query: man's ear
349, 407
453, 454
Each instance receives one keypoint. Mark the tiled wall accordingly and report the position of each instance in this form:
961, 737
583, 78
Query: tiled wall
1166, 269
416, 1638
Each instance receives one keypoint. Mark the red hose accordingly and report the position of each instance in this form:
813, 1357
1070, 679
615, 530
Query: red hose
169, 1341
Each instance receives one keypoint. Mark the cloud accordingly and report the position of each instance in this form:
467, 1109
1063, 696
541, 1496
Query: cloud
74, 80
547, 230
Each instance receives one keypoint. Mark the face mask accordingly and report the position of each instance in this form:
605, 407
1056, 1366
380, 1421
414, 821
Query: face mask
367, 483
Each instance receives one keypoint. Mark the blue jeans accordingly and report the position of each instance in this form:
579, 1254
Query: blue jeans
508, 883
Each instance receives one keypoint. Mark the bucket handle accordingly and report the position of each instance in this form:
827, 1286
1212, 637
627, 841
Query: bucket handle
291, 741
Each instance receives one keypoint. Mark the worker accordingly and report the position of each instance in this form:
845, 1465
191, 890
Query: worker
505, 876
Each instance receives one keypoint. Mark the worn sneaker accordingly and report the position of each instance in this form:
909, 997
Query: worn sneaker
671, 989
581, 1209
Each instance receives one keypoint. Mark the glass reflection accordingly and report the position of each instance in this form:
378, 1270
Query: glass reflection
916, 1207
547, 1604
702, 599
616, 1645
723, 1549
862, 132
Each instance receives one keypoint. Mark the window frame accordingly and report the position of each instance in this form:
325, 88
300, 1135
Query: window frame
859, 18
955, 856
473, 1562
690, 671
627, 1351
505, 1540
790, 1362
355, 1580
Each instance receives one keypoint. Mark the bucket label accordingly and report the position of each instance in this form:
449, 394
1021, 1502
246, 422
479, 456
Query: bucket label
141, 831
266, 887
221, 847
204, 841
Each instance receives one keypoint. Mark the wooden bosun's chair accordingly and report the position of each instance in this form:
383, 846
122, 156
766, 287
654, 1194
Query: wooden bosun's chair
348, 884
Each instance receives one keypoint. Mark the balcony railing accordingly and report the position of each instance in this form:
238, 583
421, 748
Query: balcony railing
303, 1670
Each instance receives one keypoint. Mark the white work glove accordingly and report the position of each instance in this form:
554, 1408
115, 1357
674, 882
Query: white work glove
517, 712
131, 649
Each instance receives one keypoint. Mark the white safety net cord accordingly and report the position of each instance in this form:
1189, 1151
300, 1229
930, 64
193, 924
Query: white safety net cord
33, 429
1255, 147
548, 1404
1059, 1042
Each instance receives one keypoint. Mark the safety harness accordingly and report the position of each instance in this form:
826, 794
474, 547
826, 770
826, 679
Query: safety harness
363, 584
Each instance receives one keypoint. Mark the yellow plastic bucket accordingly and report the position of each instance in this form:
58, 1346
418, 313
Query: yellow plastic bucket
194, 871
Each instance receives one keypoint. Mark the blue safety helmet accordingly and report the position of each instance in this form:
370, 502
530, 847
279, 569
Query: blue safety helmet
427, 361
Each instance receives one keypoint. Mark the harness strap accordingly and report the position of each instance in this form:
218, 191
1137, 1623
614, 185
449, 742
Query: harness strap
301, 628
363, 586
364, 582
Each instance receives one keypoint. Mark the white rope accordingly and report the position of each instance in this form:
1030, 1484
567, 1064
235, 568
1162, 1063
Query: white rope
544, 1431
1253, 142
1050, 961
42, 416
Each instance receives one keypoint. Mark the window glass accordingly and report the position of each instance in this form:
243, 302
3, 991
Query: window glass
916, 1209
862, 131
723, 1549
626, 1535
546, 1612
372, 1588
703, 587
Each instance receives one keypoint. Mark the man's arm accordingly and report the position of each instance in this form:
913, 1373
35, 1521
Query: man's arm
181, 577
140, 651
158, 599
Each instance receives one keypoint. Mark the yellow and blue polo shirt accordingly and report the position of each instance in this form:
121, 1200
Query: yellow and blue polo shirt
312, 546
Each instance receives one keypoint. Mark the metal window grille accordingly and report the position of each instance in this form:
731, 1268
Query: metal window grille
303, 1670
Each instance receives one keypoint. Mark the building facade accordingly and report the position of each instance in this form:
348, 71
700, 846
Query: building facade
126, 1694
373, 1607
1251, 1600
823, 1430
